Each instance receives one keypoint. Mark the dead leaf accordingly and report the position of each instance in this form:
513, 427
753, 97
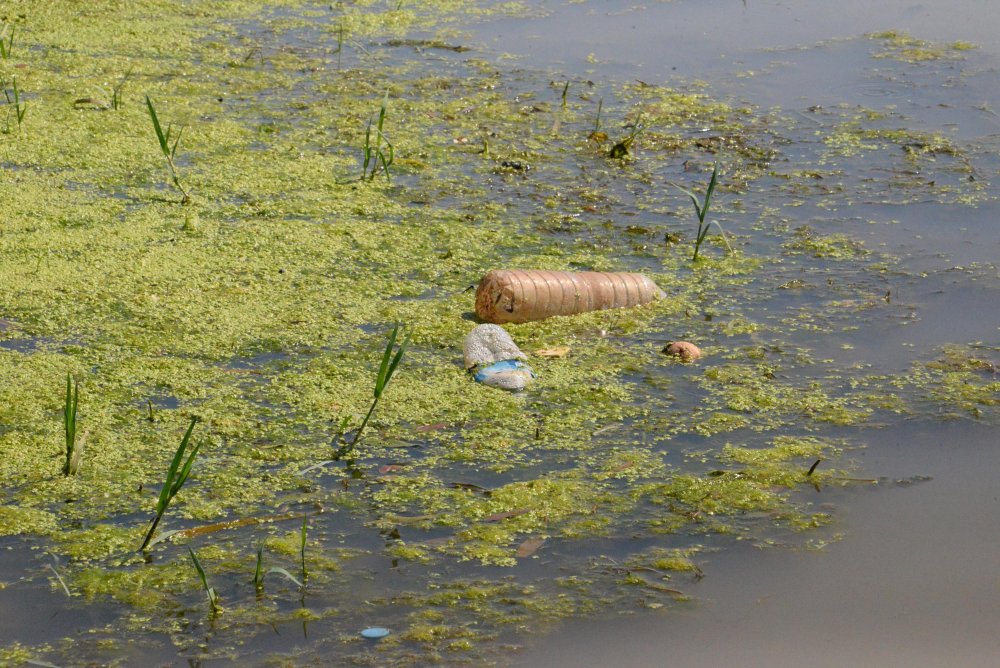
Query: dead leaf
437, 426
233, 524
469, 486
553, 353
529, 547
408, 519
506, 516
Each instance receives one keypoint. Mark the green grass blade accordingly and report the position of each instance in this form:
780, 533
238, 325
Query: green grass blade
66, 404
162, 138
213, 597
197, 565
68, 414
367, 152
173, 149
386, 161
698, 208
5, 50
694, 198
302, 545
708, 193
162, 536
386, 368
381, 113
18, 109
383, 370
70, 408
395, 360
258, 573
169, 489
185, 470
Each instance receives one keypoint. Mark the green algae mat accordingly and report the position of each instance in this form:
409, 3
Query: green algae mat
214, 213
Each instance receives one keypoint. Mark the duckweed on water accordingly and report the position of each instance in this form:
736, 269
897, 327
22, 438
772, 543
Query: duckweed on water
903, 47
259, 307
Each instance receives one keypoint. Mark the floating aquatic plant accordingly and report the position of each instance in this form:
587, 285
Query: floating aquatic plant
168, 149
701, 209
177, 475
73, 450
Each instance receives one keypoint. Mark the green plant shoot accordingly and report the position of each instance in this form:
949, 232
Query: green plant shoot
375, 156
213, 596
557, 123
177, 475
302, 547
169, 150
6, 48
13, 98
70, 406
701, 209
390, 360
259, 573
116, 92
340, 43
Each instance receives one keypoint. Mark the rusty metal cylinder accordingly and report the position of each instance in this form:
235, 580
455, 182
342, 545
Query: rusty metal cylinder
523, 295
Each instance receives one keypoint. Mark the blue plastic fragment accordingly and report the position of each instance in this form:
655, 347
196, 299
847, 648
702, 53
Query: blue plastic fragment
498, 367
375, 632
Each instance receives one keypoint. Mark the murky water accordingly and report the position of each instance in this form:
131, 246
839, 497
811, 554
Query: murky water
913, 579
864, 173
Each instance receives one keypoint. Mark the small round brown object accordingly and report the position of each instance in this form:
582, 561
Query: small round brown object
688, 352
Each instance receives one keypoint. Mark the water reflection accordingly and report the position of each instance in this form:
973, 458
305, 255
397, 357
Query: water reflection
913, 581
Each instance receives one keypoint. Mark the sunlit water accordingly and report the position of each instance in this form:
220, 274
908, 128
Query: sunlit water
913, 581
